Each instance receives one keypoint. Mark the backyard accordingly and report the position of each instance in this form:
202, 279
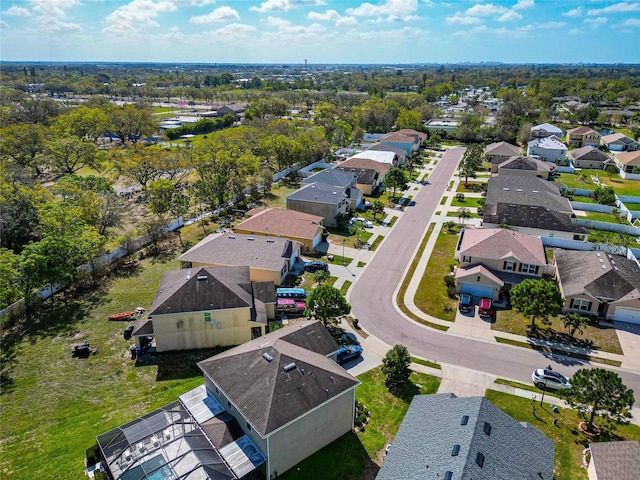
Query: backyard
582, 180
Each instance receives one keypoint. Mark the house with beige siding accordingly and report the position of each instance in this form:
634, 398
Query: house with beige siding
581, 136
627, 163
206, 307
269, 259
494, 260
590, 157
300, 227
599, 284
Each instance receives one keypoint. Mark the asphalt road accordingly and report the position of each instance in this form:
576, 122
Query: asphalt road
371, 299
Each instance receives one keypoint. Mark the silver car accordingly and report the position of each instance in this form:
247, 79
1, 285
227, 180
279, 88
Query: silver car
545, 378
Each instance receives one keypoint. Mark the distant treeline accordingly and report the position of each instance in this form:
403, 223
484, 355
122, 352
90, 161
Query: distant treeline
204, 125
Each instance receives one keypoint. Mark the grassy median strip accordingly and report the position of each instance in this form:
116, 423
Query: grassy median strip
521, 386
376, 242
555, 351
407, 280
345, 287
426, 363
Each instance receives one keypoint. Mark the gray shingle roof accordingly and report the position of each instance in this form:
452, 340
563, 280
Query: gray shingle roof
589, 152
600, 274
319, 192
256, 251
389, 148
364, 176
211, 288
525, 163
616, 460
432, 426
525, 190
267, 395
531, 216
331, 176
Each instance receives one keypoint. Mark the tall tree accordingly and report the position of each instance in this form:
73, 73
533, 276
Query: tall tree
600, 392
536, 299
326, 303
24, 145
131, 123
396, 178
69, 154
574, 322
395, 366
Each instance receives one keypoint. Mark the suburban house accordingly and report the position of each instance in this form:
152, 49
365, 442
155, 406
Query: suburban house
526, 190
264, 407
627, 162
528, 166
498, 152
445, 124
300, 227
366, 178
614, 460
619, 142
549, 149
286, 392
370, 138
207, 307
346, 181
589, 157
546, 130
401, 153
236, 109
598, 283
494, 260
408, 140
269, 259
450, 438
380, 156
582, 136
326, 201
366, 163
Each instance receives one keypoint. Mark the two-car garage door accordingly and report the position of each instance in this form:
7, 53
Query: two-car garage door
629, 315
476, 289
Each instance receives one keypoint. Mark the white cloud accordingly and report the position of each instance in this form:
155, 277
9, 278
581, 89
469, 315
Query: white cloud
233, 32
550, 25
285, 5
576, 12
509, 16
55, 8
17, 12
596, 22
4, 24
136, 17
631, 22
574, 31
428, 3
460, 19
329, 16
395, 9
524, 4
509, 33
288, 32
616, 8
347, 22
219, 15
486, 9
277, 22
52, 15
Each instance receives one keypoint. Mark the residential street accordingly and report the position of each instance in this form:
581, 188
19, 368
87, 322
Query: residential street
375, 288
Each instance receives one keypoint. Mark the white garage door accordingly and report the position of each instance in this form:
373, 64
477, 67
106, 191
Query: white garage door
316, 240
476, 289
629, 315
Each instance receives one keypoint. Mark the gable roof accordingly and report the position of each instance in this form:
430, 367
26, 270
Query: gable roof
331, 176
282, 222
364, 176
548, 143
525, 190
474, 270
531, 216
502, 149
320, 193
501, 243
211, 288
526, 163
268, 253
381, 156
357, 162
432, 427
403, 136
266, 394
547, 127
599, 274
614, 137
583, 130
629, 158
411, 132
616, 460
389, 148
589, 152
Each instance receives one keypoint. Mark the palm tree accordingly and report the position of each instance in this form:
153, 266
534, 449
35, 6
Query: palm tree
574, 323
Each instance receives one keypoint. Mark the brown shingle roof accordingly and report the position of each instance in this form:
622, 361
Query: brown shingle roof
629, 158
282, 222
580, 131
616, 460
265, 393
379, 167
502, 149
498, 243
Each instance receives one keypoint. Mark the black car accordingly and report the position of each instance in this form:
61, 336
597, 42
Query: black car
315, 266
466, 303
127, 332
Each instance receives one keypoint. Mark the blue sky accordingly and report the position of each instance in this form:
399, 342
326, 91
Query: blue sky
321, 31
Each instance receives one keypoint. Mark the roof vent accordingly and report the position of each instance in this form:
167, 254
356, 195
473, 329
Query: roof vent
289, 366
448, 475
232, 236
598, 254
267, 357
519, 190
456, 450
202, 277
326, 390
271, 241
251, 238
506, 189
465, 420
535, 191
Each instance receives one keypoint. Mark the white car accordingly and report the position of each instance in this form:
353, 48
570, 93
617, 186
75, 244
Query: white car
545, 378
365, 223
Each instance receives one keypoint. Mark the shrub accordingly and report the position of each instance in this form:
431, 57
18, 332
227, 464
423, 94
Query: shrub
449, 281
451, 292
460, 197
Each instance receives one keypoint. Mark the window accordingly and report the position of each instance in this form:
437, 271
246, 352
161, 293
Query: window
466, 259
455, 451
248, 426
480, 459
509, 266
487, 428
581, 304
207, 317
528, 268
465, 420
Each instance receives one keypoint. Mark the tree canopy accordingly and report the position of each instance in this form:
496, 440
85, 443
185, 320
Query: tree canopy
395, 366
536, 299
326, 303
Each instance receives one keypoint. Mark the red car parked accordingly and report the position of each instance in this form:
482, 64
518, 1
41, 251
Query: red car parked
484, 307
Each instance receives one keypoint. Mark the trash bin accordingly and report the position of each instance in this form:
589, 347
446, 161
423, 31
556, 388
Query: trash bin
133, 351
355, 323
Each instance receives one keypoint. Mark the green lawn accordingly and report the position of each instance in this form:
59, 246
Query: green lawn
462, 188
350, 239
594, 336
580, 198
455, 214
599, 217
277, 197
431, 296
582, 179
569, 441
469, 202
